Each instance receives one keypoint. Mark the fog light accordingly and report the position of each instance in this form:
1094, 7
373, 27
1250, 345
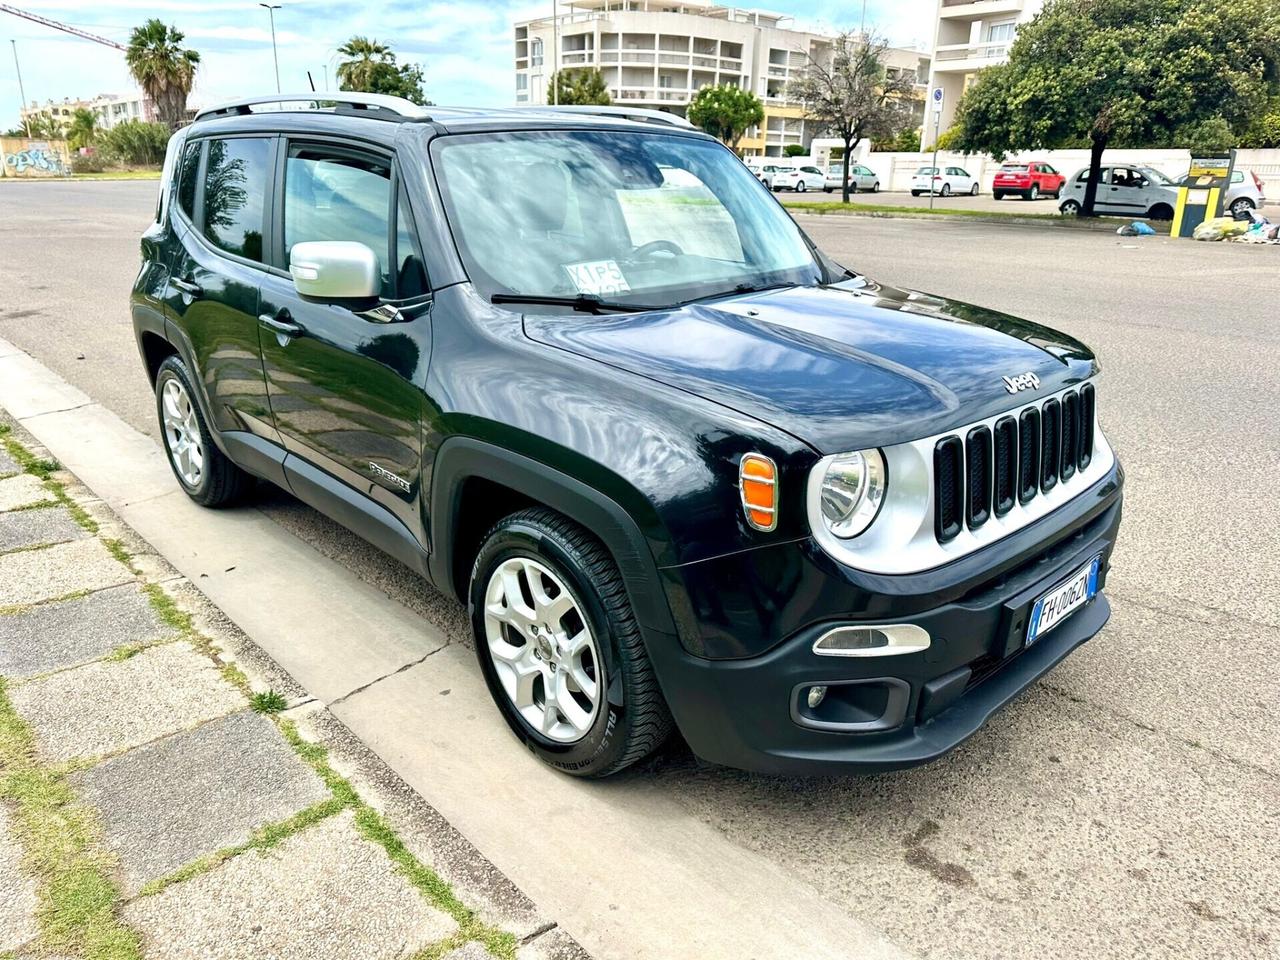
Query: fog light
872, 641
816, 695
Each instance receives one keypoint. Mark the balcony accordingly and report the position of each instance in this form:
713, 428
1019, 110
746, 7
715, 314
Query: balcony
966, 57
978, 9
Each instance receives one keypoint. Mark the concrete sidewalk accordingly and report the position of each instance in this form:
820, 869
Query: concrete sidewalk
167, 791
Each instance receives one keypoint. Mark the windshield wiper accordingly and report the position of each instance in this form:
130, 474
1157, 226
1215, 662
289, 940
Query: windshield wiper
742, 288
582, 302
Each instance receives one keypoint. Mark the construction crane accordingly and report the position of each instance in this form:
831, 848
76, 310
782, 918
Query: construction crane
64, 27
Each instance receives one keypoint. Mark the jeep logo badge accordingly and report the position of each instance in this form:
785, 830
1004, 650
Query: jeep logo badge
1025, 381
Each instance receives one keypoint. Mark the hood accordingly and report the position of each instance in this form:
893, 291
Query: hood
840, 367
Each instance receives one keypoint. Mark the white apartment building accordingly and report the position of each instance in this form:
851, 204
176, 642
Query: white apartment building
658, 53
109, 108
970, 35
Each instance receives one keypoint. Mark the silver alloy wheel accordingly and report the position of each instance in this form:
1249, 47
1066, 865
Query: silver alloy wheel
182, 432
543, 650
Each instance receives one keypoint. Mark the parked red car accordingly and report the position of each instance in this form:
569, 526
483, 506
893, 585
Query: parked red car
1031, 180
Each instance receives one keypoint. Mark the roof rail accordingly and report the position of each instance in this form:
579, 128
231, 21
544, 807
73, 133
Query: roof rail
640, 114
377, 104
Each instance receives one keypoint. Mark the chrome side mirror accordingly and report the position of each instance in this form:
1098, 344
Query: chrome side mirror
334, 270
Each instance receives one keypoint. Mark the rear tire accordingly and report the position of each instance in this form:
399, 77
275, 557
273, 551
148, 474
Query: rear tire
524, 654
205, 473
1034, 193
1241, 204
800, 186
973, 191
875, 187
915, 193
1161, 211
946, 189
997, 194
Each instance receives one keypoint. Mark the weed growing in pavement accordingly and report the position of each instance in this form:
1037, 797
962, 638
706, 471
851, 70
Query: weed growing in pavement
28, 461
61, 850
167, 609
117, 550
125, 652
268, 702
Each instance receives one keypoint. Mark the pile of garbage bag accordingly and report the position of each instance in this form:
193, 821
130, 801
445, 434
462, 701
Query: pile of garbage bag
1248, 226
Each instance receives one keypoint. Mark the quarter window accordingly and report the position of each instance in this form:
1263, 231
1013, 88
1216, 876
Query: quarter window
333, 195
235, 187
188, 168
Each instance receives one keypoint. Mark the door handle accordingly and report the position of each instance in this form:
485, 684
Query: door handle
188, 287
282, 324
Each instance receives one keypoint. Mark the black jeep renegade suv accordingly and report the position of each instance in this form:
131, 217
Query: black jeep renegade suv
581, 371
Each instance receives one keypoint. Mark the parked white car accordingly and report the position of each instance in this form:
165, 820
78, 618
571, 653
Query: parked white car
768, 172
1244, 193
943, 181
860, 178
800, 179
1123, 190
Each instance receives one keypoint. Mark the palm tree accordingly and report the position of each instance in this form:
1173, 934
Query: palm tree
363, 56
83, 129
163, 69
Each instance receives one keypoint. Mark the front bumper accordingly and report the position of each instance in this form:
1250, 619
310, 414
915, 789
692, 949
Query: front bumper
912, 708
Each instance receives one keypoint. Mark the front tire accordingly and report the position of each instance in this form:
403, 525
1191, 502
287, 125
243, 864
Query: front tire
875, 187
1070, 208
560, 647
205, 473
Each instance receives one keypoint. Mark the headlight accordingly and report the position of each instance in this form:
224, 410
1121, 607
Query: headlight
852, 491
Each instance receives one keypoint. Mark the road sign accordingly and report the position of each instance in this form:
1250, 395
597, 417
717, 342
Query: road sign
936, 98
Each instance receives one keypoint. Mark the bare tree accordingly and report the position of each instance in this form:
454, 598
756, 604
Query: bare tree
852, 95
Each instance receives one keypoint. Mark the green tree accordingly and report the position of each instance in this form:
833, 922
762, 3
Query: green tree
1264, 132
851, 95
135, 143
363, 55
163, 68
44, 126
83, 129
371, 67
907, 141
726, 111
580, 85
794, 150
1114, 73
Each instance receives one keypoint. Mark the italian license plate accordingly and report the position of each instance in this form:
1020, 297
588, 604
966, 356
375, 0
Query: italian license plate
1064, 600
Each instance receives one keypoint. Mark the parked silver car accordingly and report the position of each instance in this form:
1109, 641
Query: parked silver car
1124, 190
860, 178
1244, 193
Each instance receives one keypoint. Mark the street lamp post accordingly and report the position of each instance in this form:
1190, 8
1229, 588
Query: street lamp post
26, 122
271, 9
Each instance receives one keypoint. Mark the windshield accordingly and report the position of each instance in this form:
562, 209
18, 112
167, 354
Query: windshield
636, 217
1155, 176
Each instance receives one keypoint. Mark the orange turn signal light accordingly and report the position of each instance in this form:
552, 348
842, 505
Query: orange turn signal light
758, 485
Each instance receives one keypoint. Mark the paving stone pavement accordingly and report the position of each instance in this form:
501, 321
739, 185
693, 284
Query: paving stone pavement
27, 528
175, 767
166, 804
105, 706
7, 464
17, 892
54, 636
21, 491
32, 576
325, 892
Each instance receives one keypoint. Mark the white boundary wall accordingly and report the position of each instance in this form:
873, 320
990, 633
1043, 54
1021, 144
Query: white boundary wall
895, 169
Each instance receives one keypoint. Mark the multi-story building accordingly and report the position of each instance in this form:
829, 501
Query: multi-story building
970, 35
109, 108
658, 53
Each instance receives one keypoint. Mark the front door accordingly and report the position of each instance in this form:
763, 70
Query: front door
216, 274
345, 385
1127, 192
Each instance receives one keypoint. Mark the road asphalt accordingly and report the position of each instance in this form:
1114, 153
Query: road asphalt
1126, 805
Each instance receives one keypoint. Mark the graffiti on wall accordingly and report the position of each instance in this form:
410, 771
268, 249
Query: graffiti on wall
34, 158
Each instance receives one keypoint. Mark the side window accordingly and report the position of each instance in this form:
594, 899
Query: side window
1046, 168
235, 186
1237, 176
411, 277
188, 167
334, 195
1104, 176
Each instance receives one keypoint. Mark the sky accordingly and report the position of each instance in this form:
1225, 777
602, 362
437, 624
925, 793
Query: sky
465, 48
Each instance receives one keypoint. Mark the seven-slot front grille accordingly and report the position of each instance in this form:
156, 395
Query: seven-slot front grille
1021, 458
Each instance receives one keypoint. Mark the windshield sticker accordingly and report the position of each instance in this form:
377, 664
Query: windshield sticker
597, 277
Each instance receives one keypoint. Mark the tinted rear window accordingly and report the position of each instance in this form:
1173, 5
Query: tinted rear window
1014, 168
235, 186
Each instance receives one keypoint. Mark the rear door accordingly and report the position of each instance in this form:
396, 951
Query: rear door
345, 378
214, 280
